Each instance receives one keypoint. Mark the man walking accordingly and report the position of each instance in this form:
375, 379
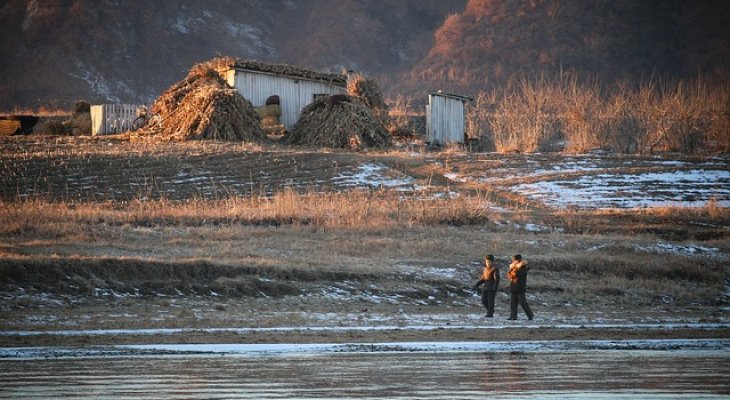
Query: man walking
517, 275
490, 280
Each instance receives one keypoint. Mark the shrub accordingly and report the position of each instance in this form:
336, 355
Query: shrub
56, 128
566, 113
82, 106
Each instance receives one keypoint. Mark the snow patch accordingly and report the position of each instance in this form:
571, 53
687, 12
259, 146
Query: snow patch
109, 90
452, 176
372, 175
691, 188
689, 250
252, 35
180, 25
534, 228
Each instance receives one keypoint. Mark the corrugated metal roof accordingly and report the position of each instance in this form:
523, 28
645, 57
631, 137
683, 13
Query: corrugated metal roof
452, 96
289, 71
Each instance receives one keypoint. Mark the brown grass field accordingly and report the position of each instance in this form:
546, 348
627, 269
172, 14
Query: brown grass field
104, 233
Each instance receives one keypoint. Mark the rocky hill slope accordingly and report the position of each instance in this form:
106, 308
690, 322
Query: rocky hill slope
493, 41
55, 52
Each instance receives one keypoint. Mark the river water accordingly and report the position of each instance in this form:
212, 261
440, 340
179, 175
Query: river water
362, 374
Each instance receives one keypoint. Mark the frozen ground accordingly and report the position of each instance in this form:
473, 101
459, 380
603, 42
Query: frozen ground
374, 176
719, 346
603, 182
686, 188
381, 328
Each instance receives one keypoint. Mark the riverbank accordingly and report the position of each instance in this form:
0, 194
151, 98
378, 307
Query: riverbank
499, 332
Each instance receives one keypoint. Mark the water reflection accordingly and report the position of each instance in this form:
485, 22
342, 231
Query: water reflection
596, 374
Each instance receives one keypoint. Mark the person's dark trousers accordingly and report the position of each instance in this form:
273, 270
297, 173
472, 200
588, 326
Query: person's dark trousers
488, 301
519, 298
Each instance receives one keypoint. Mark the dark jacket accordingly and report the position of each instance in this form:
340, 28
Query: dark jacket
517, 275
490, 278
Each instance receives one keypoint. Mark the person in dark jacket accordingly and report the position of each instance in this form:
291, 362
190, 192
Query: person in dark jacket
517, 275
490, 280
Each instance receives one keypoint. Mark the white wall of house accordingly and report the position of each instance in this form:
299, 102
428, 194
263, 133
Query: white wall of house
294, 93
445, 119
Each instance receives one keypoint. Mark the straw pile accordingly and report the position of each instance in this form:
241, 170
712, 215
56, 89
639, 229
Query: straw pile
339, 121
80, 122
368, 91
203, 106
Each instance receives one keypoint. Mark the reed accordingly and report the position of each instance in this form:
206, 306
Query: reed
571, 114
358, 208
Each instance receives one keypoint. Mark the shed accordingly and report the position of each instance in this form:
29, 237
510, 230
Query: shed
445, 118
295, 87
113, 118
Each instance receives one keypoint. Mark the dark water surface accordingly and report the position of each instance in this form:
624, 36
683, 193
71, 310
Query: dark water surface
622, 374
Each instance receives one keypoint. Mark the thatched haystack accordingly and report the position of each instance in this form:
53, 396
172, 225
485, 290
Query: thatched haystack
339, 121
368, 91
203, 106
80, 122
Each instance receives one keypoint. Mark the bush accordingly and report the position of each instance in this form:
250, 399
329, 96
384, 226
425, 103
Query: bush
82, 106
80, 124
55, 128
566, 113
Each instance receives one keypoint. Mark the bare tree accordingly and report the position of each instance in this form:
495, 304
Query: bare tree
478, 116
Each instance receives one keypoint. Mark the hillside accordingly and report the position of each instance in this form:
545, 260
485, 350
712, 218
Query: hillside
493, 41
58, 51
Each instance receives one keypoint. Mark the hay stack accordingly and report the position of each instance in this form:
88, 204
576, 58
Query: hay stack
368, 91
203, 106
339, 121
80, 122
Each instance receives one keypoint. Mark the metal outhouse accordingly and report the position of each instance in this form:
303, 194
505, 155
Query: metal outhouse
445, 118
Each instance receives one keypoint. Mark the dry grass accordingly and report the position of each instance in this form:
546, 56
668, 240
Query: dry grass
707, 223
565, 113
41, 112
273, 262
273, 275
295, 245
354, 209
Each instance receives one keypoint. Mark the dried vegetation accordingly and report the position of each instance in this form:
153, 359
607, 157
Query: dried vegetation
203, 106
565, 113
355, 121
340, 121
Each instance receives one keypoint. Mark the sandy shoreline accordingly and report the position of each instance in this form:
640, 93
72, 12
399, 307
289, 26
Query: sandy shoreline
375, 334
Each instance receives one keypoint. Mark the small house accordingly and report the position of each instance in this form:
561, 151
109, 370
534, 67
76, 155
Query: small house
294, 88
445, 118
